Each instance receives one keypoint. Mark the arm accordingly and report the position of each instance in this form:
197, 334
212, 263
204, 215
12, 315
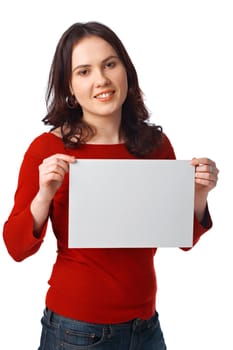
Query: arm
51, 175
206, 176
18, 229
25, 228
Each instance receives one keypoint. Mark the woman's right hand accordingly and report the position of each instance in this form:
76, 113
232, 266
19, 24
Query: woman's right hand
51, 174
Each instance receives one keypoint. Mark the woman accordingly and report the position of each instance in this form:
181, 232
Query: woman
98, 298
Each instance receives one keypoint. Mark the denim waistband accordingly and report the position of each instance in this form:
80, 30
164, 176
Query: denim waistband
134, 323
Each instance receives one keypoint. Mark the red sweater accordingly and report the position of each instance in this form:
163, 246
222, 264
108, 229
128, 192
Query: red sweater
92, 285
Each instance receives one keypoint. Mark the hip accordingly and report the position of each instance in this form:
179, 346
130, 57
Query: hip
59, 332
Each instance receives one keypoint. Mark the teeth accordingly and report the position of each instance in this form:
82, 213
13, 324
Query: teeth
104, 95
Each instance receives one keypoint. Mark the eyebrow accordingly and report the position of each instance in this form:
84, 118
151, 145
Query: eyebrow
89, 65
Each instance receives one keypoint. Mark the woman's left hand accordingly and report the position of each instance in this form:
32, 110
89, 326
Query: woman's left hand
206, 177
206, 174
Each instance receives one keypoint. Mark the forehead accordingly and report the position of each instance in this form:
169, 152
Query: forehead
90, 49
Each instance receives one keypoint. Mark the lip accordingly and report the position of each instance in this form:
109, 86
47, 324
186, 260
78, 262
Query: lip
105, 95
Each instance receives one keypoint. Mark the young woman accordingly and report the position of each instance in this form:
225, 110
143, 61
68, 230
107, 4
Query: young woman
98, 298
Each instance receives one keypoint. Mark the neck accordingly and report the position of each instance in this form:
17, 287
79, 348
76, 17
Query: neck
106, 136
107, 130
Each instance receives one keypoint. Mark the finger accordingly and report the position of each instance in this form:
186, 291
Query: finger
206, 179
202, 161
211, 169
204, 165
205, 176
209, 184
58, 162
65, 157
52, 177
57, 167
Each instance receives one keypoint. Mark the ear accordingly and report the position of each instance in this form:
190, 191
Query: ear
71, 89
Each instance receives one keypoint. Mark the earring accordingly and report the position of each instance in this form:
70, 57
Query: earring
71, 102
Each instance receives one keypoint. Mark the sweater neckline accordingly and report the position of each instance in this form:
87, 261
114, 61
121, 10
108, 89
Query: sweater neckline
90, 145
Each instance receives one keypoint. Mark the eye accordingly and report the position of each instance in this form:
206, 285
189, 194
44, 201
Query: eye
83, 72
110, 64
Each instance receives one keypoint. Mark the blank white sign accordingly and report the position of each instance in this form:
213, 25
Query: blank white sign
131, 203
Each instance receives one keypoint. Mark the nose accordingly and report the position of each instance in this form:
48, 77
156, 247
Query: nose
101, 79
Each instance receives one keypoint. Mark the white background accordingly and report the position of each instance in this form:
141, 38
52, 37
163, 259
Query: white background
183, 54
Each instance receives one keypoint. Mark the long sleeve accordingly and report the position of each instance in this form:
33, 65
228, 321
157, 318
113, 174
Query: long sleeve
199, 228
18, 229
105, 302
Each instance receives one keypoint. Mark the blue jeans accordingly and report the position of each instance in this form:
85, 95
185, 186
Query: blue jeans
61, 333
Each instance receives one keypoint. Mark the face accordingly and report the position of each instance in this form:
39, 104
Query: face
99, 79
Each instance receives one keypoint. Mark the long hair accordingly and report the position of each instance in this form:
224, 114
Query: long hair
141, 137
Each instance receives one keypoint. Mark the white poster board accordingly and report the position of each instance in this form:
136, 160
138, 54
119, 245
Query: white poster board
131, 203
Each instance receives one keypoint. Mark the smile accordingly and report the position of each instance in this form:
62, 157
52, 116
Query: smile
104, 95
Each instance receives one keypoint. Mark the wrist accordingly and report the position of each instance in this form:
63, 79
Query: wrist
43, 198
40, 207
200, 206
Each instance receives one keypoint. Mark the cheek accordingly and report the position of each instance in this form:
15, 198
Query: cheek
80, 90
124, 85
122, 81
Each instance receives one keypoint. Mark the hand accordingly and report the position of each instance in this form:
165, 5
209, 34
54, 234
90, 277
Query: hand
51, 174
206, 174
206, 177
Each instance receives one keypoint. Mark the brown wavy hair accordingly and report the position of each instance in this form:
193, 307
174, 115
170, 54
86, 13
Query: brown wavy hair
141, 137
